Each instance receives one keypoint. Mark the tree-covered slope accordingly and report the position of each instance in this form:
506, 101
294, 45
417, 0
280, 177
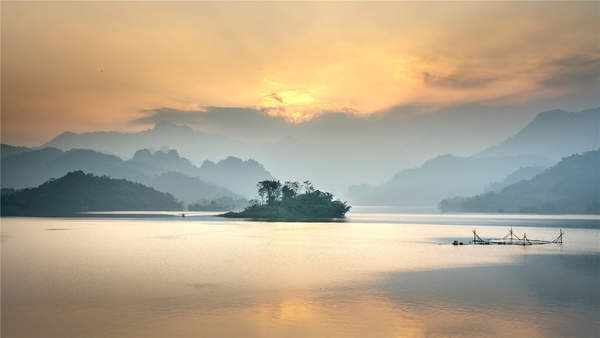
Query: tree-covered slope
570, 186
77, 192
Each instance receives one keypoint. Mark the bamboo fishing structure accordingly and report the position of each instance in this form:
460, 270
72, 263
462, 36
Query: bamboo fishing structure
513, 239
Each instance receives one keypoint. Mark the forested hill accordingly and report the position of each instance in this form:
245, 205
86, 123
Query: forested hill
77, 192
570, 186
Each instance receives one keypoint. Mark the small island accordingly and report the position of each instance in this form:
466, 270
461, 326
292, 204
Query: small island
291, 201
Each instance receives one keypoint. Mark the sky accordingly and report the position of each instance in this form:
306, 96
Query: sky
250, 70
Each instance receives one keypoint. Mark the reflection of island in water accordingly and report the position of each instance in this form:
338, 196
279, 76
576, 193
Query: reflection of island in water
285, 202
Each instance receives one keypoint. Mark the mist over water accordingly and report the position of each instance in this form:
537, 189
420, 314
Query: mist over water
378, 274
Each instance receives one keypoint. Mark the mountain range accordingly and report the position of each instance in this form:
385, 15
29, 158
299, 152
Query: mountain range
550, 136
570, 186
163, 170
369, 148
523, 173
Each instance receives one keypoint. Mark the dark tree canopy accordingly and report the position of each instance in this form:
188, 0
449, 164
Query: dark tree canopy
290, 190
285, 202
269, 189
76, 192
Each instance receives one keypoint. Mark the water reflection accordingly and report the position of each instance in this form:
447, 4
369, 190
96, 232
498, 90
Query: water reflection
557, 293
220, 278
518, 220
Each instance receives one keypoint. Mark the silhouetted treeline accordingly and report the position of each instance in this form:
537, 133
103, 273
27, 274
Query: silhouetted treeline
570, 186
287, 202
77, 192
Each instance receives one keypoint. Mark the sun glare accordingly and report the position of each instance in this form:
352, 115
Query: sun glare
295, 105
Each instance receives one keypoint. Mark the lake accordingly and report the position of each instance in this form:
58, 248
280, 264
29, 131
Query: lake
377, 274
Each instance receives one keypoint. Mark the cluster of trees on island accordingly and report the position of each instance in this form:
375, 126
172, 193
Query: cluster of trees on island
291, 200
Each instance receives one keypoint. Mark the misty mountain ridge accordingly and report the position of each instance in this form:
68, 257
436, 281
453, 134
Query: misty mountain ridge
226, 174
189, 189
162, 135
542, 142
8, 150
523, 173
164, 170
552, 134
570, 186
232, 173
112, 139
425, 186
308, 149
287, 156
157, 162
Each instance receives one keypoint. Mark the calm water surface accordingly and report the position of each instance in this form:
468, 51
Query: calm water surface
379, 274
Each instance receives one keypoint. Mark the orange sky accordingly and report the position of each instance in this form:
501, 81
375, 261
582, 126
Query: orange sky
96, 66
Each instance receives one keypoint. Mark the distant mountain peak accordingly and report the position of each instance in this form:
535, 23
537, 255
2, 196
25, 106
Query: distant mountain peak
64, 136
148, 153
232, 161
552, 134
142, 154
554, 113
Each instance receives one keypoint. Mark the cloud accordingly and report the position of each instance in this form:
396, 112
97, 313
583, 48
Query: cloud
276, 97
457, 81
310, 59
170, 115
233, 121
573, 71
